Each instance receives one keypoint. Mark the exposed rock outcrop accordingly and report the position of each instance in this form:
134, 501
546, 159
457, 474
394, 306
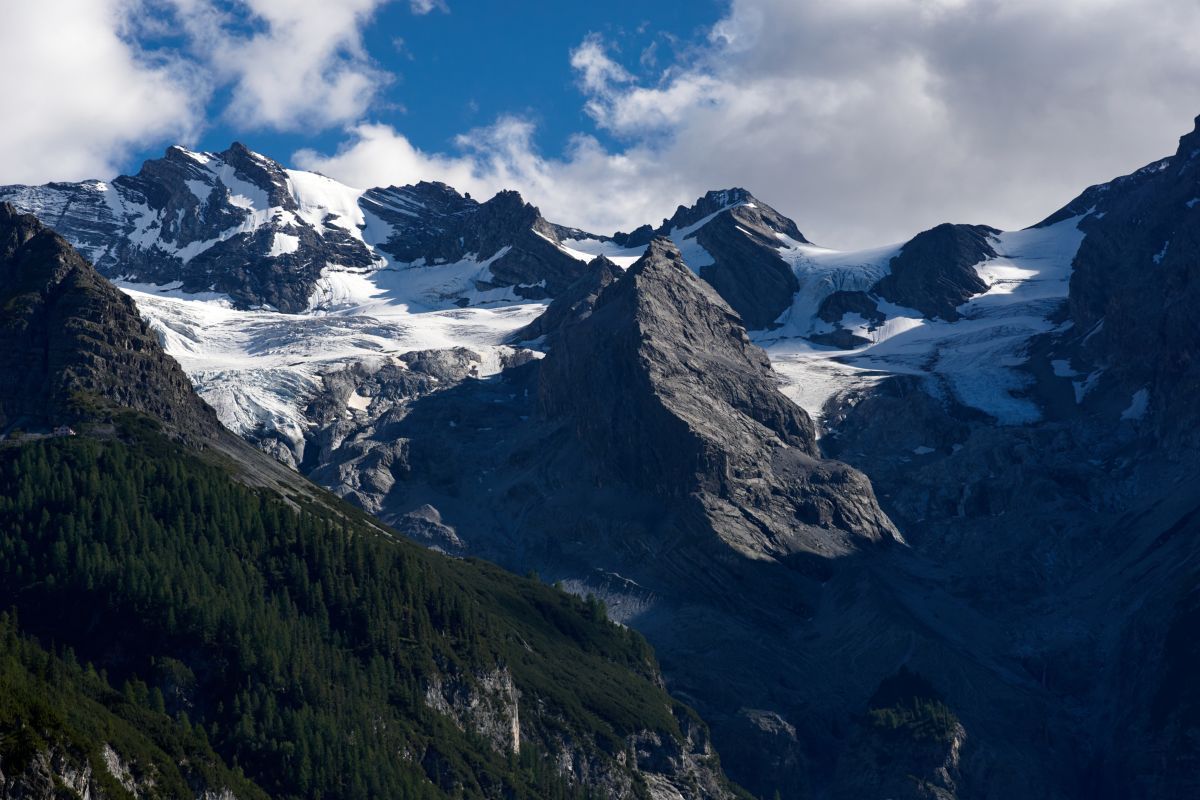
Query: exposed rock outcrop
1135, 289
72, 345
740, 237
239, 223
432, 224
934, 271
233, 222
575, 302
667, 393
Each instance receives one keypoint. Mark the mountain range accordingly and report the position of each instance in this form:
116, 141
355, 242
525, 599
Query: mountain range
914, 521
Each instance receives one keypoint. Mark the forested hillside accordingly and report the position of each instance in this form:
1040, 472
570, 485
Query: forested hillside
306, 646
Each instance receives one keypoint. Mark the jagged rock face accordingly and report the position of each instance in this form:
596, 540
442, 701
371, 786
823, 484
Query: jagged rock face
420, 216
241, 224
666, 391
234, 222
73, 346
751, 209
358, 454
574, 303
505, 228
1136, 286
935, 270
747, 270
740, 237
68, 771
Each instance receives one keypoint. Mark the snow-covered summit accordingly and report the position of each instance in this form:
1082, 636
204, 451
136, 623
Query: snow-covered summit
243, 225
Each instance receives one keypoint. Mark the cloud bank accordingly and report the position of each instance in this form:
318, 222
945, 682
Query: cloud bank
88, 81
77, 95
865, 120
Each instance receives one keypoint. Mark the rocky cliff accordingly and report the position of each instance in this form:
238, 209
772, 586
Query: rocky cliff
238, 223
662, 386
452, 695
72, 345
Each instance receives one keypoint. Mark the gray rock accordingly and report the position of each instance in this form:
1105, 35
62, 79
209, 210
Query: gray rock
742, 238
1135, 289
935, 270
446, 227
73, 348
177, 220
184, 218
575, 302
665, 390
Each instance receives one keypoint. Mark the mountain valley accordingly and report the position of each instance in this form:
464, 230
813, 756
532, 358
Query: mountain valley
918, 521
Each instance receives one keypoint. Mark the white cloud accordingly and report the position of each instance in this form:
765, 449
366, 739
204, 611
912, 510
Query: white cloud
78, 96
82, 92
870, 119
302, 64
425, 6
587, 184
865, 120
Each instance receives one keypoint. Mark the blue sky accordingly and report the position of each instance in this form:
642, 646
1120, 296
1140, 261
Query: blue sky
864, 120
456, 68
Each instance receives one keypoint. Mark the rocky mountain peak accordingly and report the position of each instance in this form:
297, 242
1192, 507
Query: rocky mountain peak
738, 202
15, 229
1189, 143
268, 175
662, 384
739, 240
574, 303
935, 270
73, 348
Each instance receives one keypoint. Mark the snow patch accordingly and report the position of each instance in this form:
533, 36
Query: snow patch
1158, 258
358, 401
258, 368
1083, 387
283, 243
1062, 368
588, 249
325, 201
976, 357
200, 189
1138, 405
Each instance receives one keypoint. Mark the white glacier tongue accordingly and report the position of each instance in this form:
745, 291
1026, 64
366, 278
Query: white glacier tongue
977, 358
259, 368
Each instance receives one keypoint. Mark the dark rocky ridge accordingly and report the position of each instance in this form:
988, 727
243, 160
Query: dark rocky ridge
178, 219
934, 271
434, 223
160, 220
576, 301
71, 331
1135, 289
742, 237
735, 199
72, 345
747, 270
